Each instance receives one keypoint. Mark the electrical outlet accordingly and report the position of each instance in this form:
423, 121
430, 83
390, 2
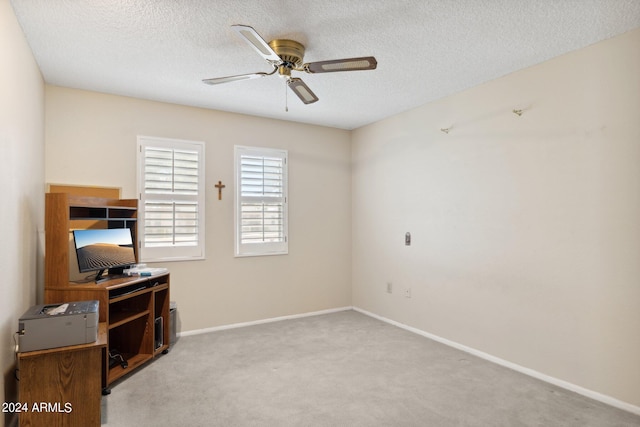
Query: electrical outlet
389, 287
407, 292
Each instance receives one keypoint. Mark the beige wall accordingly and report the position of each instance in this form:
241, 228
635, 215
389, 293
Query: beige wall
22, 177
91, 140
526, 236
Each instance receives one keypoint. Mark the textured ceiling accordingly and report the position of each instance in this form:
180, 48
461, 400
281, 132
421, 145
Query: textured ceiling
162, 49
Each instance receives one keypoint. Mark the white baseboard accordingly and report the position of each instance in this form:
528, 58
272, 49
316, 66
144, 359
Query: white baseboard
262, 321
530, 372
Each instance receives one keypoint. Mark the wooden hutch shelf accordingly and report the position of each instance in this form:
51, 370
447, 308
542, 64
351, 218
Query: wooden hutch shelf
131, 307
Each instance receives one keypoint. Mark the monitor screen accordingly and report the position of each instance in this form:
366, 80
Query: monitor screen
99, 249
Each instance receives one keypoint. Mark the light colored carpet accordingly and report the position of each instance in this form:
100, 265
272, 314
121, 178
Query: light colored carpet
340, 369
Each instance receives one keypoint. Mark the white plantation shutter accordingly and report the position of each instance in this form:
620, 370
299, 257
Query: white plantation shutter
171, 188
261, 201
170, 223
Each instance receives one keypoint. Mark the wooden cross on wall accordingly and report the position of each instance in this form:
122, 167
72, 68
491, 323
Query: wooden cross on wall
220, 186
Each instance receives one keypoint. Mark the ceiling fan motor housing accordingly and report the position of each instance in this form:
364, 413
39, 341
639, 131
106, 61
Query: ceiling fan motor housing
290, 51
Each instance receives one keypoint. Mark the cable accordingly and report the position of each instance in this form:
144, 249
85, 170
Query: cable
16, 348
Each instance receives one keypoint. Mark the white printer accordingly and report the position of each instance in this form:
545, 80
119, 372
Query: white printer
58, 325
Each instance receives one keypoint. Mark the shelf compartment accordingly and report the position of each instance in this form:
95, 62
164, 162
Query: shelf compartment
102, 212
120, 318
87, 212
119, 212
135, 301
125, 293
133, 361
129, 307
134, 341
161, 301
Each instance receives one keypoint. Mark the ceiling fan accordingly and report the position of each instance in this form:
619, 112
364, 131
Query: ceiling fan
286, 56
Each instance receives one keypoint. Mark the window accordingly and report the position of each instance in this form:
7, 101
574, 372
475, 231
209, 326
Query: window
171, 193
260, 201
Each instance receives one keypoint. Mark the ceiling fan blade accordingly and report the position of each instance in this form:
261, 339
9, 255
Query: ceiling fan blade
302, 90
349, 64
228, 79
257, 42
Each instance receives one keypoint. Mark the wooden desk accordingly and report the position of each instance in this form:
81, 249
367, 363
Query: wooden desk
62, 386
130, 306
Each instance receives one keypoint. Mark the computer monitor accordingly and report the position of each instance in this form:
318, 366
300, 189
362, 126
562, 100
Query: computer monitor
102, 249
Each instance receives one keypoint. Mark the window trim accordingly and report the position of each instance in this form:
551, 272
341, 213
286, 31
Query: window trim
173, 252
259, 249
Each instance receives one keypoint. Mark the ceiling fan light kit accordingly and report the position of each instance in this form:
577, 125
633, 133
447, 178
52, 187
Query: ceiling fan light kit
286, 56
